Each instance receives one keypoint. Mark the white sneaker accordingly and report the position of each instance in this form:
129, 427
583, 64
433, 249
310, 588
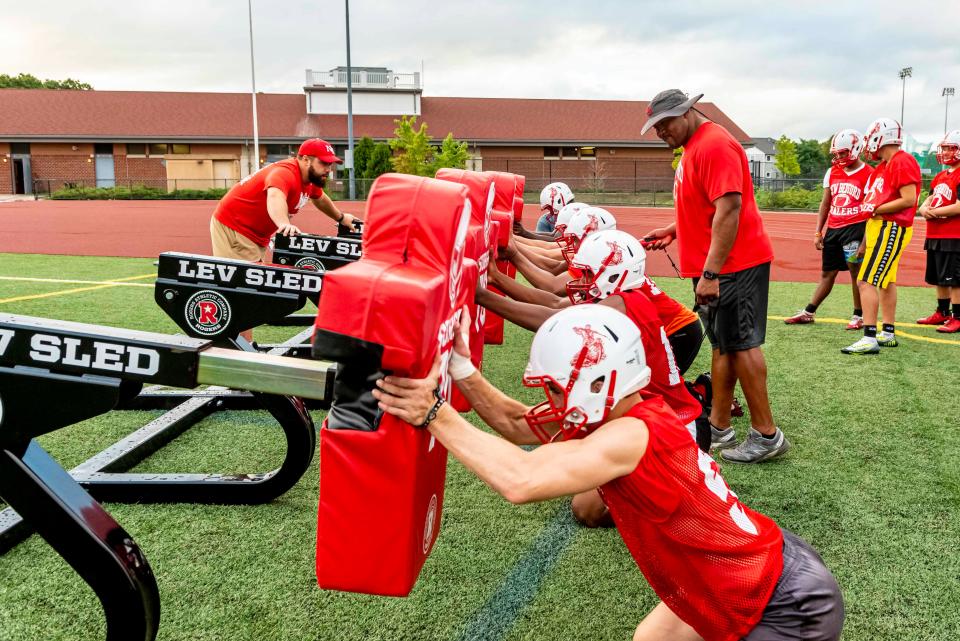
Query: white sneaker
865, 345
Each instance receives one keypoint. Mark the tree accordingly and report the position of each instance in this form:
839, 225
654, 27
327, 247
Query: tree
361, 155
414, 154
812, 158
452, 153
677, 154
786, 158
29, 81
379, 162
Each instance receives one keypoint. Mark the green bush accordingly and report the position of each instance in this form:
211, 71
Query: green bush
136, 192
793, 198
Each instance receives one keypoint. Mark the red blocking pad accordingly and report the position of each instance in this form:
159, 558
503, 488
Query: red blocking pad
480, 241
392, 311
507, 186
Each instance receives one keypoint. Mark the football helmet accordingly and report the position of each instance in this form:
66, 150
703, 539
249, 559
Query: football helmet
882, 132
586, 359
565, 214
846, 147
554, 196
608, 262
948, 150
582, 224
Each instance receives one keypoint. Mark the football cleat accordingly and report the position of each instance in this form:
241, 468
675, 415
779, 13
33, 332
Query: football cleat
936, 318
856, 322
803, 317
863, 346
951, 326
887, 340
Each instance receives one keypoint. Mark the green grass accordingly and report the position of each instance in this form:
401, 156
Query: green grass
872, 482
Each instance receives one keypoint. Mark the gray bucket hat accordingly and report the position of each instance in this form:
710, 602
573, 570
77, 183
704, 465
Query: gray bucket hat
668, 104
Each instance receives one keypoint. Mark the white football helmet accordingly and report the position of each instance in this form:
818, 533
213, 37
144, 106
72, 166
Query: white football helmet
948, 150
846, 147
608, 262
882, 132
582, 224
554, 196
565, 214
586, 358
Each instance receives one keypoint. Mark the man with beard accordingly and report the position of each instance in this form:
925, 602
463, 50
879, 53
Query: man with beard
262, 203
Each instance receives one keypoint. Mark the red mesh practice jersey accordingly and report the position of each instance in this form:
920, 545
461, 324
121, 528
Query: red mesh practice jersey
944, 192
672, 314
665, 378
885, 183
846, 193
244, 208
713, 165
712, 560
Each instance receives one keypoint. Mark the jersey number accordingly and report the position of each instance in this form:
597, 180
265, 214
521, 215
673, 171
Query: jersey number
716, 484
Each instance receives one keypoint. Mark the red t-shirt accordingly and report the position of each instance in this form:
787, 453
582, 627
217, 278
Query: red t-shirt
714, 164
672, 314
244, 208
711, 559
885, 183
944, 191
846, 194
665, 378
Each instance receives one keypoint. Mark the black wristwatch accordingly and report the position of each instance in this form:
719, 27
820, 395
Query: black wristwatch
432, 414
709, 275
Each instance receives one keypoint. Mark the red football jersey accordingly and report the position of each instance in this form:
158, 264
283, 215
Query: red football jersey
244, 208
714, 164
885, 183
847, 190
712, 560
944, 191
672, 314
665, 378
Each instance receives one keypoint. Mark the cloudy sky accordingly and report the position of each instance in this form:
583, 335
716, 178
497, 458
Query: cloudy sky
805, 68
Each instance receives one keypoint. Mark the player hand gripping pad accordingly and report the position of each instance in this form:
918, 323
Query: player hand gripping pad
392, 311
506, 186
476, 259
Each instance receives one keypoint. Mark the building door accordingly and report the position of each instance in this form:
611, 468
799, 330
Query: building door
104, 165
22, 178
225, 173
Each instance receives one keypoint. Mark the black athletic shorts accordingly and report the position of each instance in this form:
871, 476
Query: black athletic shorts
943, 261
685, 343
738, 320
840, 246
806, 604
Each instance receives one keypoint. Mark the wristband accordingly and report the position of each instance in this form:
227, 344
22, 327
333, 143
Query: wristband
432, 414
460, 367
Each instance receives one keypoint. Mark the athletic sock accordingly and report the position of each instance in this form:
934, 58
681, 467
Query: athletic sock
888, 329
769, 437
956, 310
870, 331
943, 306
811, 308
857, 312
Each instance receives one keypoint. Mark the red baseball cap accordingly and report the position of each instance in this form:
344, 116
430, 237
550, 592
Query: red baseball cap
319, 149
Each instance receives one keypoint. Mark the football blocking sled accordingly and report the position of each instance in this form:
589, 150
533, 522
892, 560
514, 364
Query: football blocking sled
392, 311
507, 207
318, 253
476, 258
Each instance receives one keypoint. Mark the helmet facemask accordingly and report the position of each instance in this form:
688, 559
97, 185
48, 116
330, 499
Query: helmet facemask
948, 154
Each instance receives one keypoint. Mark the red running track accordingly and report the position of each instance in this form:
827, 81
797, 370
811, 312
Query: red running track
146, 228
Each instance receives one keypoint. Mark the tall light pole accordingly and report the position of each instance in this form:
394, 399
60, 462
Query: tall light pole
905, 73
947, 92
353, 183
253, 93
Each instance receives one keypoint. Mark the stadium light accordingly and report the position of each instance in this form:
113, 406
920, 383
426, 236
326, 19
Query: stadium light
905, 73
349, 158
253, 93
947, 92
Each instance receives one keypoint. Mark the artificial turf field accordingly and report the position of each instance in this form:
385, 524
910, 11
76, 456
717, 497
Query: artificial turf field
872, 482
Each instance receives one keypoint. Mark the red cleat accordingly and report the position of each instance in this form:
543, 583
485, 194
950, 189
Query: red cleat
935, 318
952, 326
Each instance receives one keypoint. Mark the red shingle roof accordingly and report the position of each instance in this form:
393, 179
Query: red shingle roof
120, 115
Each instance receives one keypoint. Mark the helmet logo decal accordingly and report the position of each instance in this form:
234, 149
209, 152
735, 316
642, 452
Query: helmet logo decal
592, 343
616, 253
592, 225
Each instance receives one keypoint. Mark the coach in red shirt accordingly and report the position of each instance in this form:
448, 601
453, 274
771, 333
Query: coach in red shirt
725, 249
262, 204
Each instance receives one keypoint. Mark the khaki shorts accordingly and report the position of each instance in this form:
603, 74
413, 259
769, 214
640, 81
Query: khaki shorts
228, 243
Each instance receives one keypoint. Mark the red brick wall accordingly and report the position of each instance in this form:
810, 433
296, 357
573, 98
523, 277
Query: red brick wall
137, 170
56, 164
6, 170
